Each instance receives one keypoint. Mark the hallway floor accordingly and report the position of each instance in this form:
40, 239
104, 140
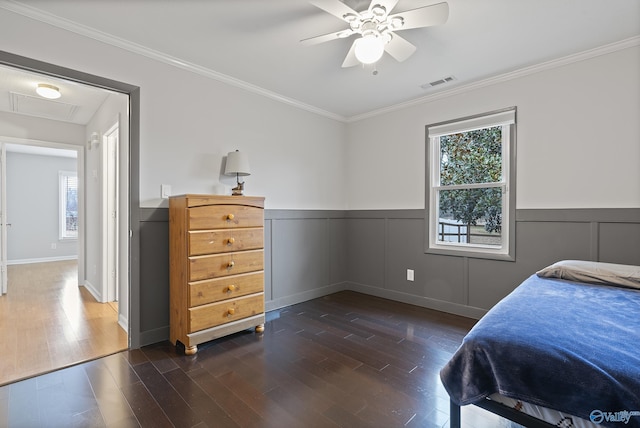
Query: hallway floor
48, 322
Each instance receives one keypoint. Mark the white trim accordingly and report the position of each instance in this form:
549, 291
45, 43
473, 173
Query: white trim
41, 260
62, 209
100, 36
505, 117
434, 187
93, 290
123, 322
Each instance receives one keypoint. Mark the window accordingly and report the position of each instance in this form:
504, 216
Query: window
470, 201
68, 205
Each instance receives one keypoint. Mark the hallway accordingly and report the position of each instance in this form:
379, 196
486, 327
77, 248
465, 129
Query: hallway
48, 322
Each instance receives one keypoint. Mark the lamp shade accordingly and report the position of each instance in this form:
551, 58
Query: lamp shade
237, 164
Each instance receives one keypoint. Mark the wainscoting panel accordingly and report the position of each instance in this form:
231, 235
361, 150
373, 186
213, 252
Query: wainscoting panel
366, 251
620, 243
538, 244
435, 277
154, 276
308, 255
311, 253
299, 256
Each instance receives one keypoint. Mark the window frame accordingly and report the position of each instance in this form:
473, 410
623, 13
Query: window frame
62, 200
507, 118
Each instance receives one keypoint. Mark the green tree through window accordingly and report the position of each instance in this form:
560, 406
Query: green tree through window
472, 157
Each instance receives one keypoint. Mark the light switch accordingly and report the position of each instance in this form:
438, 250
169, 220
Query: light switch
165, 190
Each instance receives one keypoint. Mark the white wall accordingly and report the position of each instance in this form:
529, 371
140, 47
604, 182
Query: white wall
578, 132
189, 122
32, 128
33, 204
114, 109
578, 138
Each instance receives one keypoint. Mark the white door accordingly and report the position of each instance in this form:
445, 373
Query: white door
3, 217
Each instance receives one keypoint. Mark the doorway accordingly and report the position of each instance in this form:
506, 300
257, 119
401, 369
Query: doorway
128, 226
48, 320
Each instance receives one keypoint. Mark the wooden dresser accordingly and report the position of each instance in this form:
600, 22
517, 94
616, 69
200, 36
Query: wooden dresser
216, 252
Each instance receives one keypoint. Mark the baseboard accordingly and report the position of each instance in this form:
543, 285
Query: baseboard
93, 290
154, 336
303, 297
425, 302
123, 323
41, 260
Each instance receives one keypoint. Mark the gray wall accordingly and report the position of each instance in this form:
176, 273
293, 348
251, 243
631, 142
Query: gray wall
311, 253
33, 208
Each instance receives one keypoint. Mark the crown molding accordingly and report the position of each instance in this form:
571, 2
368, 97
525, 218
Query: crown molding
548, 65
100, 36
83, 30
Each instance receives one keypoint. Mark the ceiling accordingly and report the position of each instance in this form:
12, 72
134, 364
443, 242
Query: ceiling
255, 44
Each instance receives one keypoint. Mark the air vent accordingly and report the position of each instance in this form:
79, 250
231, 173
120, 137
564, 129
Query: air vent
438, 82
41, 107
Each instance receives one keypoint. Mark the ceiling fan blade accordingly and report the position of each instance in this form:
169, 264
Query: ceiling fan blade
423, 16
326, 37
351, 60
334, 7
387, 4
399, 48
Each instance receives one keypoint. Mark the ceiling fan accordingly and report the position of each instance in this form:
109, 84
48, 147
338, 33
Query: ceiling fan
377, 27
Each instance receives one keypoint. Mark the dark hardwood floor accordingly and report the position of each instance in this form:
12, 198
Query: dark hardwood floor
344, 360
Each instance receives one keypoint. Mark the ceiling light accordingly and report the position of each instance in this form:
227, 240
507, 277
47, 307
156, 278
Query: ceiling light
369, 49
48, 91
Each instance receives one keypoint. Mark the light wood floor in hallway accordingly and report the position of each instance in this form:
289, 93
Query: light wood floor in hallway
48, 322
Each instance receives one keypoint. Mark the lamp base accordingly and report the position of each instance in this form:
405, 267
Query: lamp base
237, 191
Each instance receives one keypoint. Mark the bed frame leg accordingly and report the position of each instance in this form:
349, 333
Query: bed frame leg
454, 415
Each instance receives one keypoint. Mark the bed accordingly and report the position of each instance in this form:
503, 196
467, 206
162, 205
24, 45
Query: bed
562, 350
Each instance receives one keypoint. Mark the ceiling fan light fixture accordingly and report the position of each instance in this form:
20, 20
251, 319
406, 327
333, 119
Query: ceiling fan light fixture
369, 49
378, 11
350, 17
396, 22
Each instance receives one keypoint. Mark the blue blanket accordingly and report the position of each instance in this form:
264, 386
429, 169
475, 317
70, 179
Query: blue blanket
568, 346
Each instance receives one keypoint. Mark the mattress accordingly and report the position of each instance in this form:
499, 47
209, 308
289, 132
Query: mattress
554, 417
563, 345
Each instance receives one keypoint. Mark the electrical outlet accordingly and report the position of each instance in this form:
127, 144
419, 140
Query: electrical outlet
53, 245
409, 274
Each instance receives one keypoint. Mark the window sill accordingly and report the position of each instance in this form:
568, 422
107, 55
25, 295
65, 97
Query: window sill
470, 253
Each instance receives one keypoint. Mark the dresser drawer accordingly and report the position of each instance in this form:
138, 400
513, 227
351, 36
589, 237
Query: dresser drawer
215, 314
217, 265
225, 240
224, 217
214, 290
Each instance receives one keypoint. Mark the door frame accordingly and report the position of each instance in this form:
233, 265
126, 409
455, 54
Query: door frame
133, 268
110, 223
80, 167
3, 219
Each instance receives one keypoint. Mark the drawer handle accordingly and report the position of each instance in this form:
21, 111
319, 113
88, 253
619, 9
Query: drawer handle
231, 288
230, 312
230, 216
231, 264
230, 241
